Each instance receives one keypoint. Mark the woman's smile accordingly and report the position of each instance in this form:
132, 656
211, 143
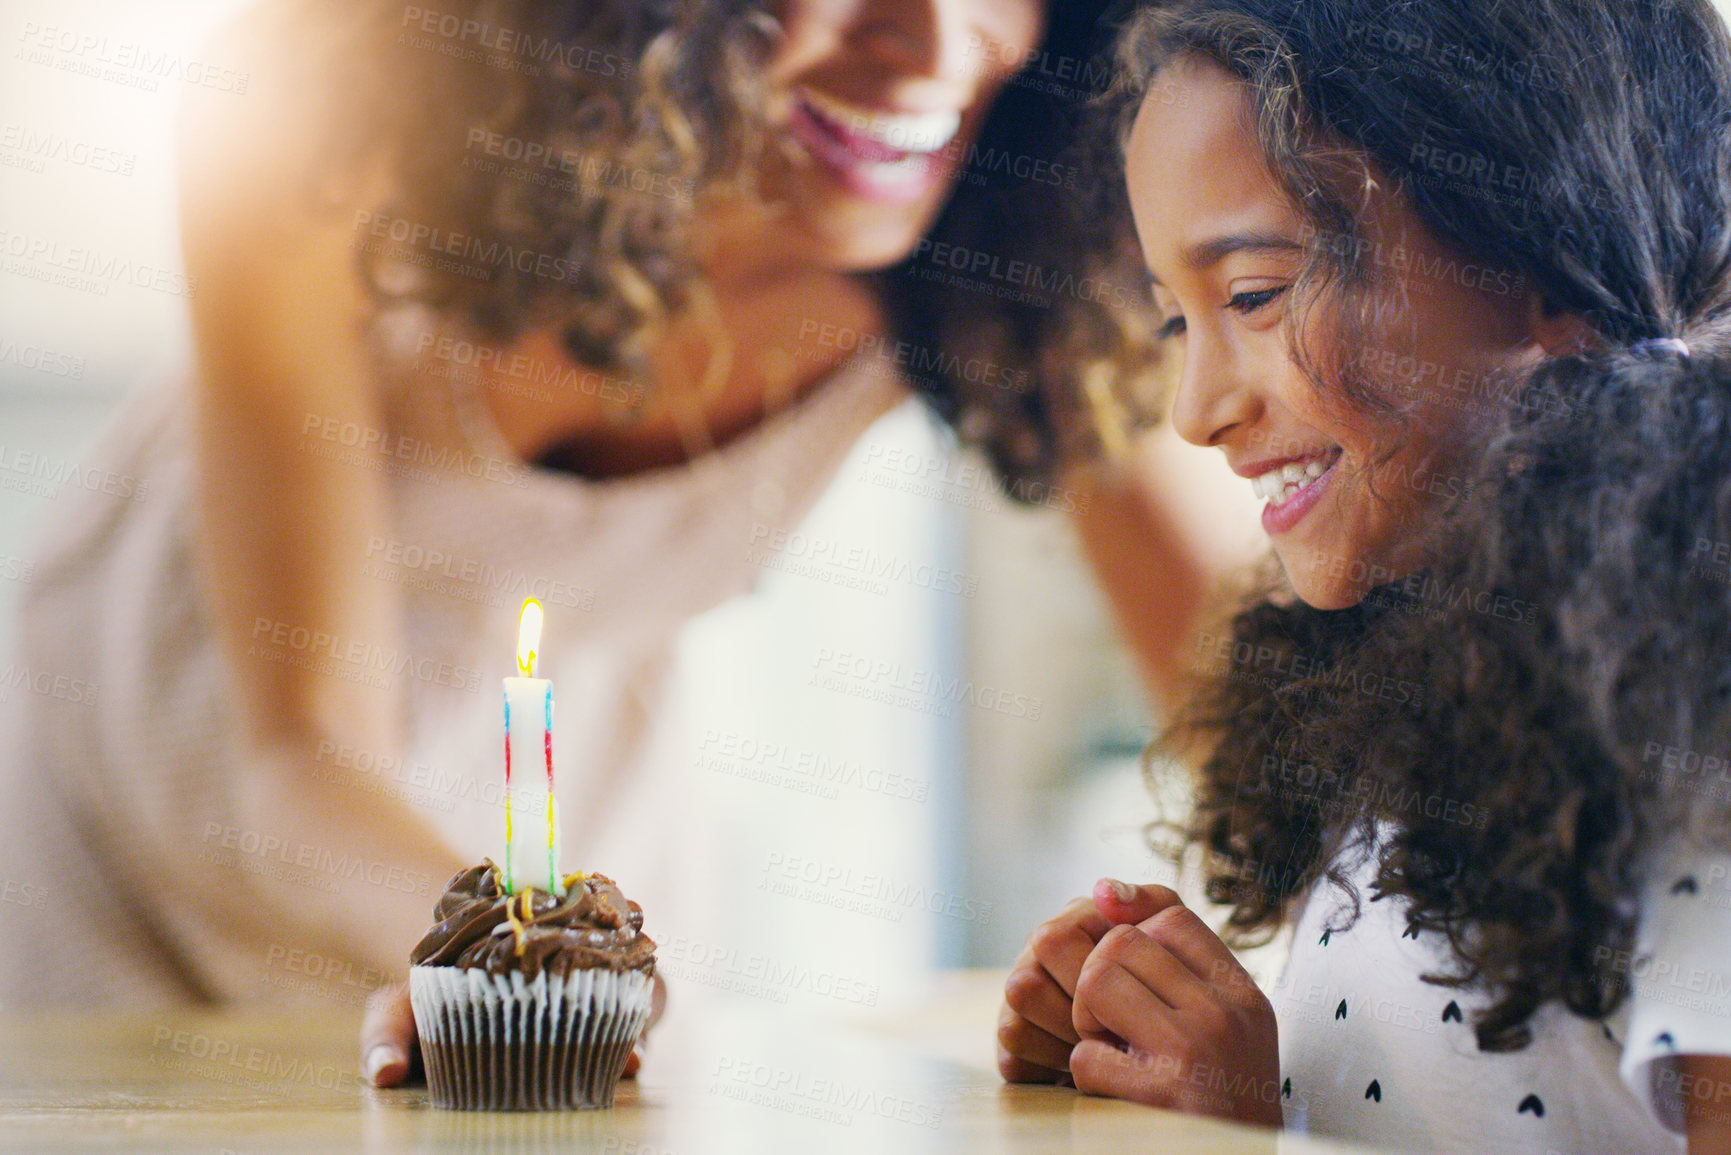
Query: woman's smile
876, 154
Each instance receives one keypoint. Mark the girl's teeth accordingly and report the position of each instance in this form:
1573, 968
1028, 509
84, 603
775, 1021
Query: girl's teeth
1280, 485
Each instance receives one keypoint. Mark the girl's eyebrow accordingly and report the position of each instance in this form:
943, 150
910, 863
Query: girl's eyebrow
1206, 254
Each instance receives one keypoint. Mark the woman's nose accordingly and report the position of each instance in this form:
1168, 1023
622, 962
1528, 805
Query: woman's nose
934, 38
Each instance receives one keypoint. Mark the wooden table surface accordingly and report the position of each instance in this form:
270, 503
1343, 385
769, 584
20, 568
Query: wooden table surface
720, 1077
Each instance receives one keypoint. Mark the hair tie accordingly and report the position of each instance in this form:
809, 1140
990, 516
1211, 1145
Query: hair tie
1662, 345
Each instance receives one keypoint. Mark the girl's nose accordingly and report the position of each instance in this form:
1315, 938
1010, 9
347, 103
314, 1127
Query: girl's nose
1212, 396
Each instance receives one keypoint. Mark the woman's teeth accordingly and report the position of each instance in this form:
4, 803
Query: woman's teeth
1282, 485
916, 133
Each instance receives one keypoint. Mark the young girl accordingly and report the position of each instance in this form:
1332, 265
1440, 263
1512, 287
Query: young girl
1450, 284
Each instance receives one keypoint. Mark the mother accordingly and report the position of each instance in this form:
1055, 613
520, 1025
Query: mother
566, 295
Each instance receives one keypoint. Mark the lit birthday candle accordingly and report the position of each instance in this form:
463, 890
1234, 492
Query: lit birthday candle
531, 852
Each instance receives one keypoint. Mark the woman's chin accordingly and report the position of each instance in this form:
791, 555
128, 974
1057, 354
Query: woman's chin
866, 250
848, 234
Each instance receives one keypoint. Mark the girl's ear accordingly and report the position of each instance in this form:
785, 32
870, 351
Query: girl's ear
1558, 333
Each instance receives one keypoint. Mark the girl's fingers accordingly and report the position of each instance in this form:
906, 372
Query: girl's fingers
1034, 995
1063, 944
1152, 964
1014, 1070
1027, 1045
1099, 1068
1017, 1070
1039, 1023
1120, 903
1112, 1001
387, 1036
1192, 942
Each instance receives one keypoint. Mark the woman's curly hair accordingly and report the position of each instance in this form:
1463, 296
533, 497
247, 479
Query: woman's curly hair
1506, 724
559, 151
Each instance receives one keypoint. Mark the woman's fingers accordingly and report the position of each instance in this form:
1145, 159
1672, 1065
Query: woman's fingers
657, 1005
387, 1036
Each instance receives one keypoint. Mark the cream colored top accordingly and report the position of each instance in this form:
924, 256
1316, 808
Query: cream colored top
168, 867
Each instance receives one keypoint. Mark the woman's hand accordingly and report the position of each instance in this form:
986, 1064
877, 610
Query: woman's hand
1035, 1030
1166, 1016
388, 1034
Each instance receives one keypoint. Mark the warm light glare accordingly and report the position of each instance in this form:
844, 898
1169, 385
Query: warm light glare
528, 637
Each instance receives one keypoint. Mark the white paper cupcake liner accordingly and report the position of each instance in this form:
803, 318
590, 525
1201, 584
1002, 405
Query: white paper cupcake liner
503, 1043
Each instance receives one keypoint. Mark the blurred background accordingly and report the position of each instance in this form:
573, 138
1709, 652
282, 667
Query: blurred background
948, 825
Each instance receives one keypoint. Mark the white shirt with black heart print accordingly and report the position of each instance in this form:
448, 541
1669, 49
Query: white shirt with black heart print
1371, 1053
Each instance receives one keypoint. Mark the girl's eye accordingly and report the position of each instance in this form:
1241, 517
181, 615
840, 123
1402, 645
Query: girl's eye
1250, 302
1244, 303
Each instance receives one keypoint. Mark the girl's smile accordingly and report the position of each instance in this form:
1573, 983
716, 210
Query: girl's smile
1353, 479
1291, 487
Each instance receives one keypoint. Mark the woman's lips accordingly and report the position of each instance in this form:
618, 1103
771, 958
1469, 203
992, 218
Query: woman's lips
897, 132
878, 156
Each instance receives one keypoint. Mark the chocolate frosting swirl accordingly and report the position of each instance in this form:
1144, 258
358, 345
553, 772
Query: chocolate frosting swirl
594, 927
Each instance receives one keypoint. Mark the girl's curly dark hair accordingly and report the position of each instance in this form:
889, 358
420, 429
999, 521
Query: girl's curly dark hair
558, 150
1520, 713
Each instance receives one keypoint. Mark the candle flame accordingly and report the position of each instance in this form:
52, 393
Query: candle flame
528, 637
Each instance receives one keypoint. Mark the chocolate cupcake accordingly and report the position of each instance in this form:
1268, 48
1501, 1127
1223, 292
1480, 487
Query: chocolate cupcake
528, 1001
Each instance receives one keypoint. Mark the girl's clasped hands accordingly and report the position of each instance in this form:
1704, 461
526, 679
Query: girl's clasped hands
1130, 994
